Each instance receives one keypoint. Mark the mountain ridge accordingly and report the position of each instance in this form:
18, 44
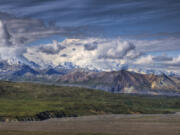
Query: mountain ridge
121, 81
124, 82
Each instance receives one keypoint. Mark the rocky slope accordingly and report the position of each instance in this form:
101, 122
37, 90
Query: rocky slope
124, 82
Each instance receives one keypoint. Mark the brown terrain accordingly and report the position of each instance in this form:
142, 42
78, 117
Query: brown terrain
136, 124
124, 82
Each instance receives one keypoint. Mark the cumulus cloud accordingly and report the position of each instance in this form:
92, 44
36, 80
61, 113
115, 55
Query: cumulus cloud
53, 48
117, 50
100, 53
176, 60
144, 60
110, 54
132, 54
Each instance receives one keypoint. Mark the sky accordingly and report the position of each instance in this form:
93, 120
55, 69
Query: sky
138, 35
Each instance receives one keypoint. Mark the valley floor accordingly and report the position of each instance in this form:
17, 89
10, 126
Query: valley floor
136, 124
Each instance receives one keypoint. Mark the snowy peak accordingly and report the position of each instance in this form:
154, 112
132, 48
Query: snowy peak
25, 69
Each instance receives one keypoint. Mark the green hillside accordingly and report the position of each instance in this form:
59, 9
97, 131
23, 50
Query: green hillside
28, 101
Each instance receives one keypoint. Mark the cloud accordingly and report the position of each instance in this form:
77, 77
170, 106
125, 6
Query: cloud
91, 47
54, 48
64, 55
176, 60
91, 28
26, 30
156, 45
158, 64
118, 17
91, 9
162, 58
108, 54
16, 33
132, 54
20, 31
116, 49
144, 60
9, 51
4, 35
157, 35
13, 55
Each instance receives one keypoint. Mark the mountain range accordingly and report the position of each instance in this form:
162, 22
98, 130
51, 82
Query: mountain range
121, 81
124, 82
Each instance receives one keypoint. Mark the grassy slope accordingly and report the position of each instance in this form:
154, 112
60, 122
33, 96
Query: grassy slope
28, 99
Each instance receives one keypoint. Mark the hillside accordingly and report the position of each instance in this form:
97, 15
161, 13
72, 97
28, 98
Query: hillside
124, 82
28, 101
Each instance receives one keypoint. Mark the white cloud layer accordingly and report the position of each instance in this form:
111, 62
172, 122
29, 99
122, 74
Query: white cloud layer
109, 54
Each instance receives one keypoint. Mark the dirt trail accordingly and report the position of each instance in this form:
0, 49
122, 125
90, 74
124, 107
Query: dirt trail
121, 124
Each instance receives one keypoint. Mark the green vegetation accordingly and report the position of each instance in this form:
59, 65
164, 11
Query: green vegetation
20, 100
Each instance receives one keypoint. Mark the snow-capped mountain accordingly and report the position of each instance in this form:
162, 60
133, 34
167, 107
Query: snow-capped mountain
122, 81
